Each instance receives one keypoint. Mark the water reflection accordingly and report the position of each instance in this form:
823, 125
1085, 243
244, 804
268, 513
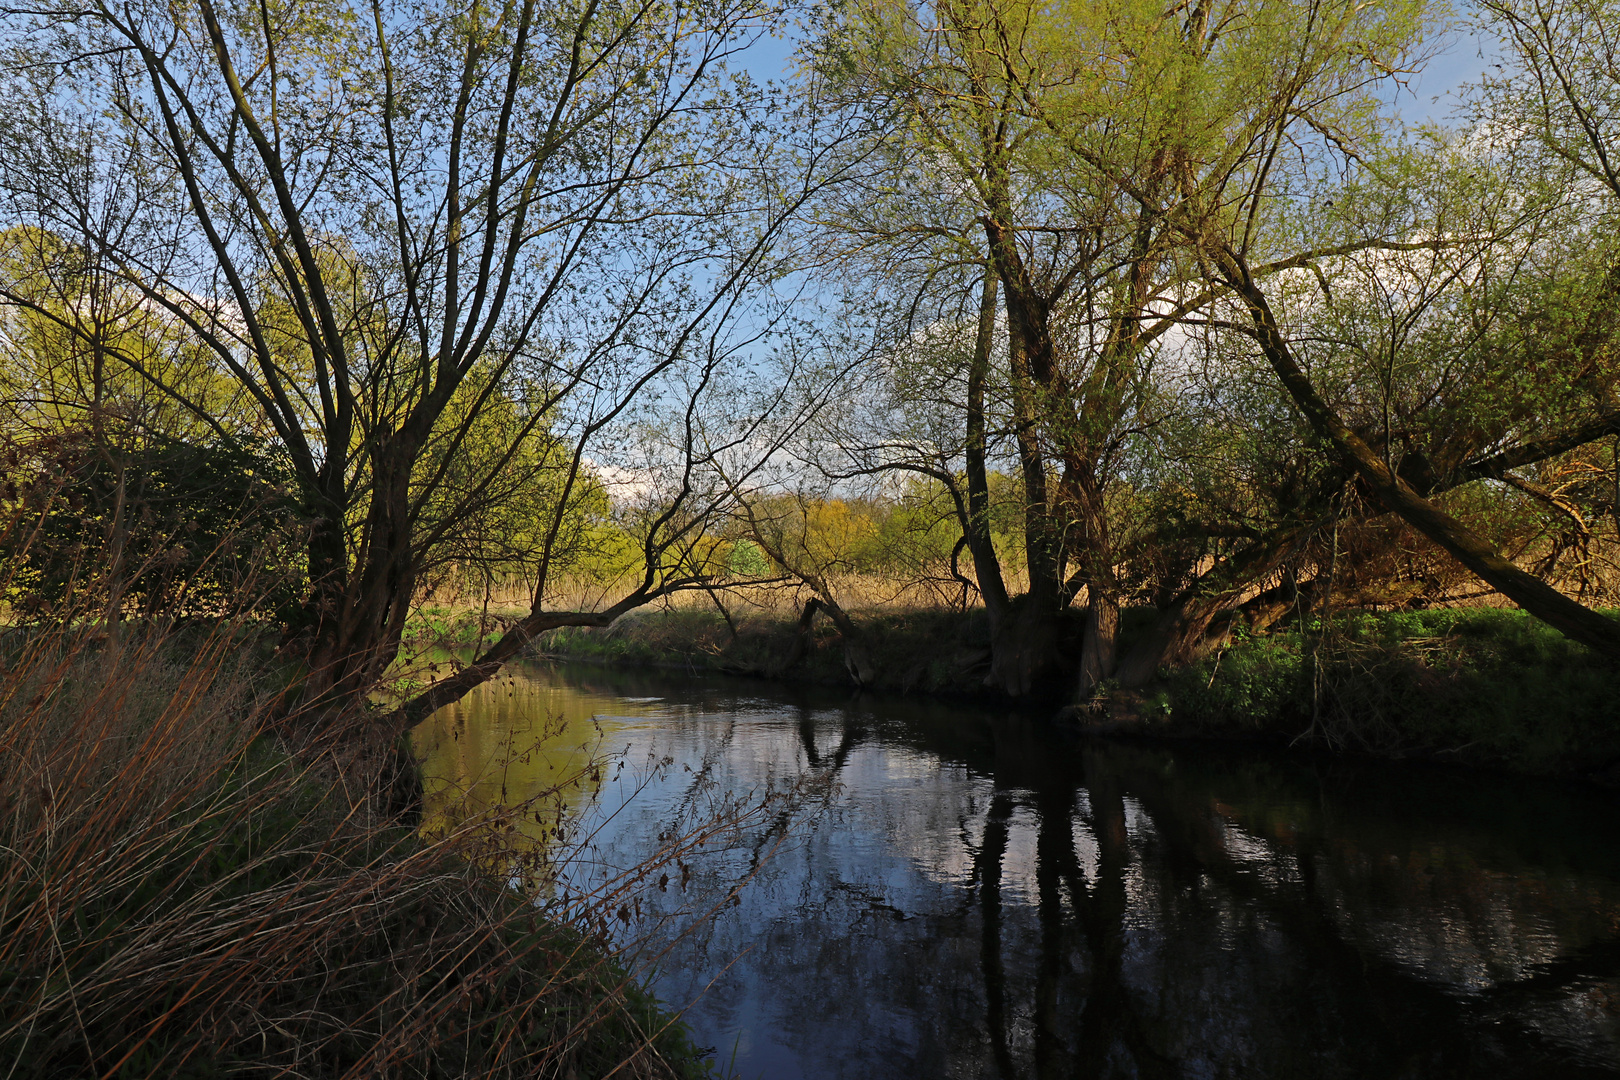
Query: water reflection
977, 899
518, 739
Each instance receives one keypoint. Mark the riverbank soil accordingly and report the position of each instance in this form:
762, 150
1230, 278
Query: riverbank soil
1484, 686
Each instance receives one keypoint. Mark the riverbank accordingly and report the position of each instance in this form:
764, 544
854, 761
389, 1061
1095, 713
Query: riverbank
185, 897
1482, 686
916, 650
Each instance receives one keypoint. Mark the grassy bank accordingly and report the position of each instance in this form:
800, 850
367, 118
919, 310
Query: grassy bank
1486, 686
179, 896
925, 650
1483, 685
457, 626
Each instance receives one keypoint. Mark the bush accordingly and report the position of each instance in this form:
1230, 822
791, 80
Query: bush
1481, 684
162, 525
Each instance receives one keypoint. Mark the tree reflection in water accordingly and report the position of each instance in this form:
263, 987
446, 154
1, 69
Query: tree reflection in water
981, 899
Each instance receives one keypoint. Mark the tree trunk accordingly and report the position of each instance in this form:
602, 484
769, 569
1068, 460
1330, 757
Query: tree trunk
1093, 546
1023, 651
359, 618
1100, 643
976, 524
857, 659
1572, 619
1022, 631
801, 637
1024, 645
1177, 636
491, 660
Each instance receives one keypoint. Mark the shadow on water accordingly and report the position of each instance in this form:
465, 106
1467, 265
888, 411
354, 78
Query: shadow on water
982, 899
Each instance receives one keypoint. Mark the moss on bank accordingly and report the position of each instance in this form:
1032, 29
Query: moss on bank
1485, 686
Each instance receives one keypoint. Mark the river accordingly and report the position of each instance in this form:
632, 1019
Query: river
942, 891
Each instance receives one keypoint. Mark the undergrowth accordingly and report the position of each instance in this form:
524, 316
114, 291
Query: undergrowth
916, 649
1487, 685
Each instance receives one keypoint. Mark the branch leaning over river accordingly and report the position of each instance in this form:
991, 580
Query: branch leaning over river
1573, 619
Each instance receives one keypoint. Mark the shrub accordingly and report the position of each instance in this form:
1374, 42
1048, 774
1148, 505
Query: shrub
1483, 684
162, 525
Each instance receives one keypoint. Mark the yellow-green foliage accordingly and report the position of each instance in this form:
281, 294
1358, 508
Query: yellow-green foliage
84, 349
904, 536
507, 490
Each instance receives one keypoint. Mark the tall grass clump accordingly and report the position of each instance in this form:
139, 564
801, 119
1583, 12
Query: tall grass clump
179, 896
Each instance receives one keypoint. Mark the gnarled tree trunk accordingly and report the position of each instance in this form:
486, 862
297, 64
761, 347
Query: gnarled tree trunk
1571, 618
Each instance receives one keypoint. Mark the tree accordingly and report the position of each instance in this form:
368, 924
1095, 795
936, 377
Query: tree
1563, 374
1028, 229
387, 222
1038, 159
1429, 276
74, 350
127, 492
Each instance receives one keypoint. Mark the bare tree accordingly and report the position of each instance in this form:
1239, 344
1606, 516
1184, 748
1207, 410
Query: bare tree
384, 220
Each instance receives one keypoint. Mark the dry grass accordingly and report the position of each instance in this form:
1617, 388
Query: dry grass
180, 897
868, 593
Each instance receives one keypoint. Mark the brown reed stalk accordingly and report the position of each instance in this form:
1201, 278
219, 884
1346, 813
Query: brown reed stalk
181, 895
178, 894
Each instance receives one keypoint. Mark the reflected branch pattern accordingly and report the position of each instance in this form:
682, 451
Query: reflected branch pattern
972, 898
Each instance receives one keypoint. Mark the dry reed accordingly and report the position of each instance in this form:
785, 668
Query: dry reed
180, 897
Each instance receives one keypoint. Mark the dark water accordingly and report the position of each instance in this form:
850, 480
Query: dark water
976, 896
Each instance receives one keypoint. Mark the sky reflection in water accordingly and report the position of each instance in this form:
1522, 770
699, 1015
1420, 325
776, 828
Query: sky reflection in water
978, 899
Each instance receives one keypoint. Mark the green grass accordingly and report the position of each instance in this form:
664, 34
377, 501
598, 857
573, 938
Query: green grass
1484, 685
451, 627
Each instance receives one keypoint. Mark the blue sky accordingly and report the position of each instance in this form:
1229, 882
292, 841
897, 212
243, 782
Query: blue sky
1431, 97
1433, 94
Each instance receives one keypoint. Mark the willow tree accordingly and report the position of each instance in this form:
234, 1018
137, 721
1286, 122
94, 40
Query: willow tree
380, 217
976, 195
1046, 146
1539, 372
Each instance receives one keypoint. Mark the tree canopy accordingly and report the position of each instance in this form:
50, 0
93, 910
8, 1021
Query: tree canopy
1156, 307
